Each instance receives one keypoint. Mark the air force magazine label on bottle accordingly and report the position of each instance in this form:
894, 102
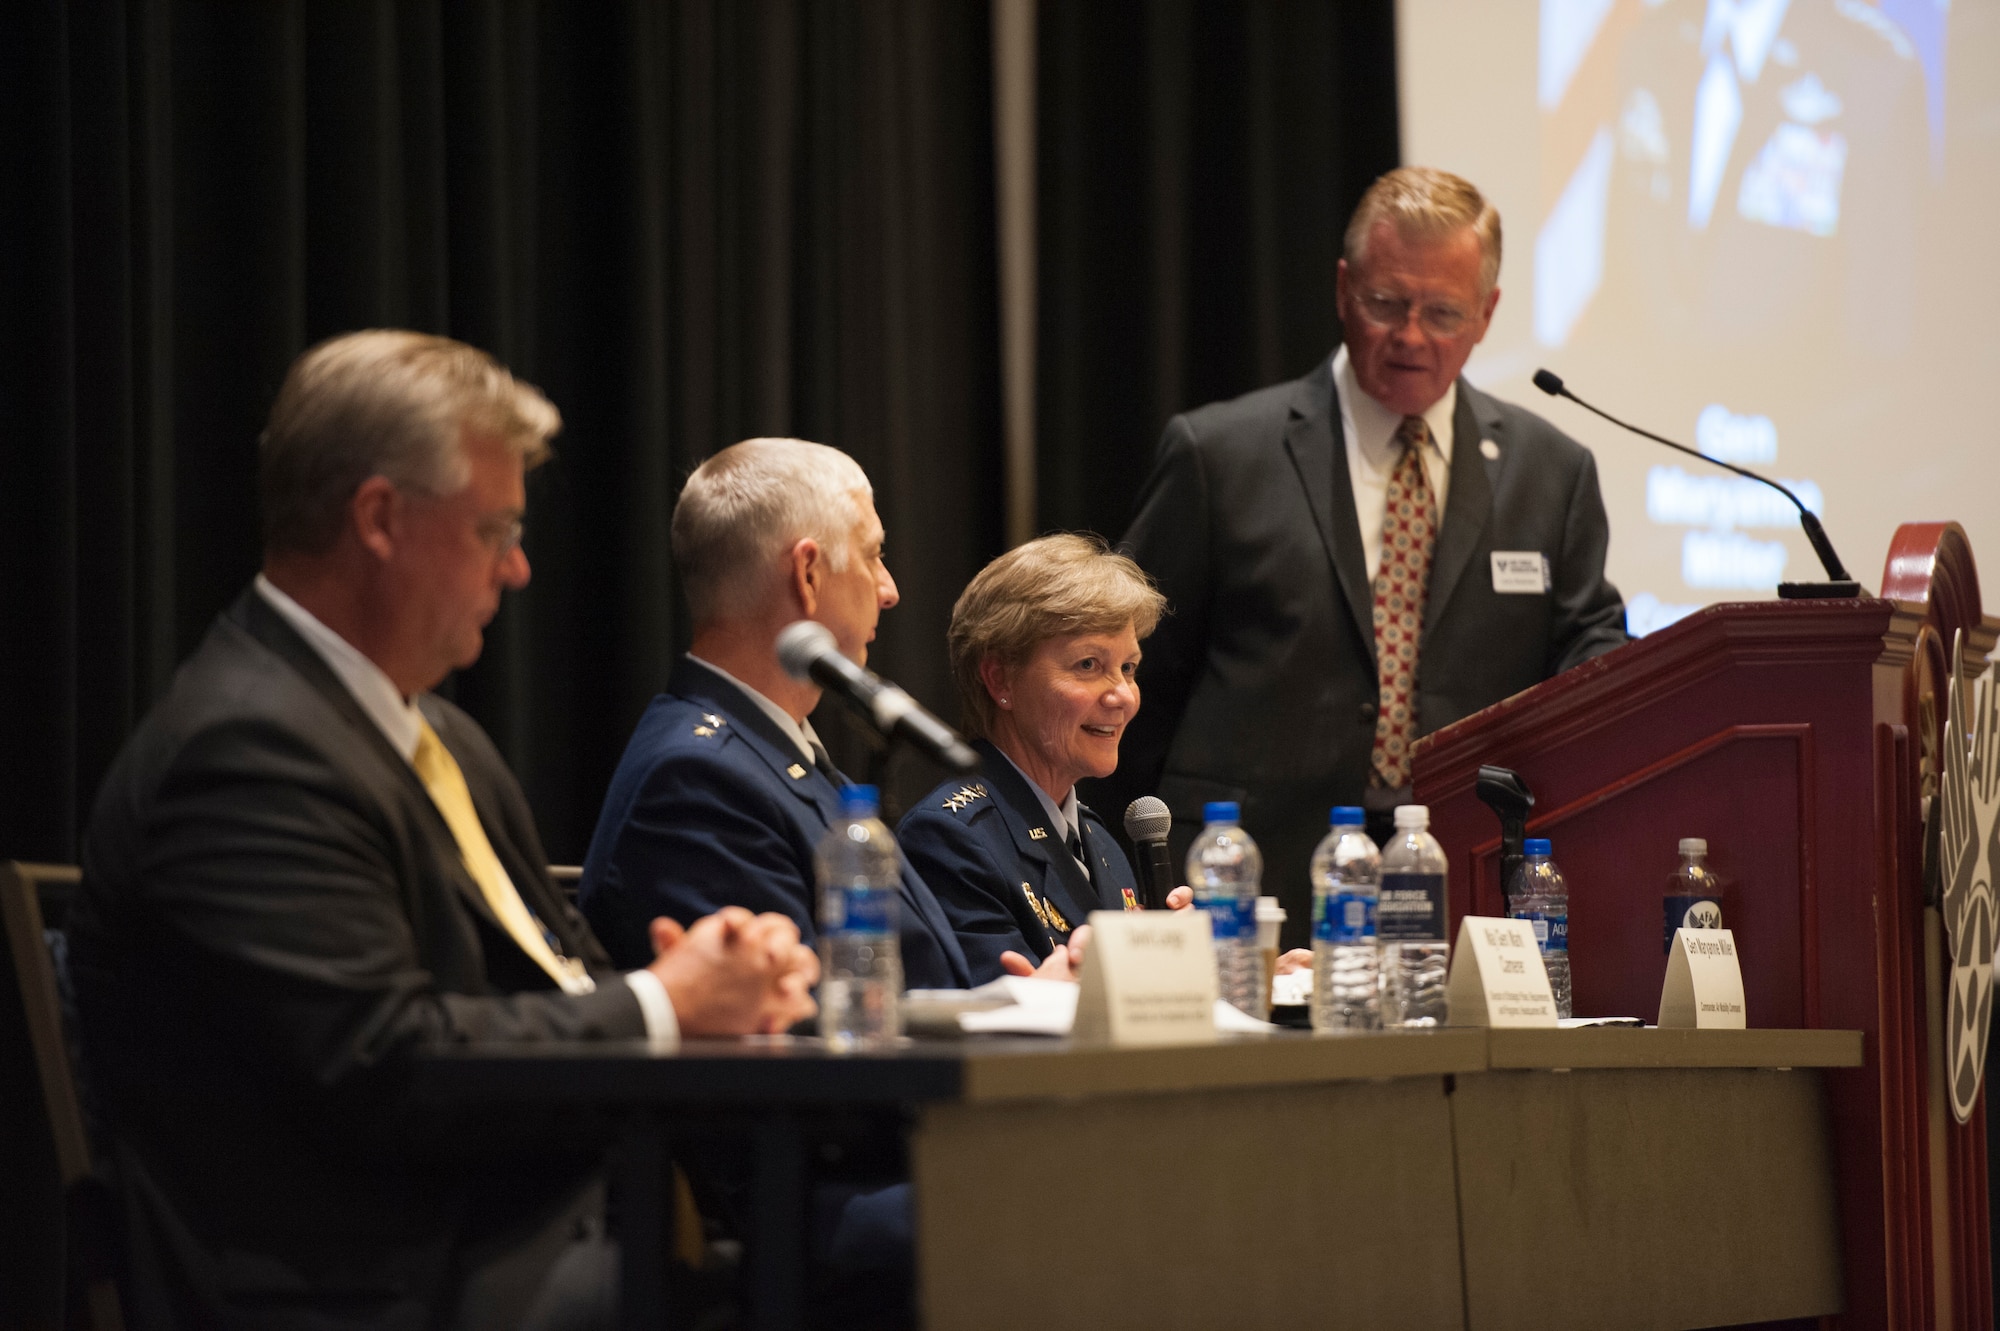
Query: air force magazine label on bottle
1689, 913
1411, 908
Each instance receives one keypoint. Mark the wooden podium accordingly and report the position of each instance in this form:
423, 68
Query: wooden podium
1800, 739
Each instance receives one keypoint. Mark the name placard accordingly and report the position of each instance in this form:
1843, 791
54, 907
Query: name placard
1149, 978
1497, 976
1704, 987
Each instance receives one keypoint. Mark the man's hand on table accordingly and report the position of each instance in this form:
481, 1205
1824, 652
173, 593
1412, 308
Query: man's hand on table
1298, 959
735, 973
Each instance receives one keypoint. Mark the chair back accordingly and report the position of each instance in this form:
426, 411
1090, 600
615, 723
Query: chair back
86, 1271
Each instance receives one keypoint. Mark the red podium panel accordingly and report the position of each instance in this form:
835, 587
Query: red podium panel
1799, 738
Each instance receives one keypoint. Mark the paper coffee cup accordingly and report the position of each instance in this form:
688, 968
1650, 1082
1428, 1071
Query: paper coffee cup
1270, 921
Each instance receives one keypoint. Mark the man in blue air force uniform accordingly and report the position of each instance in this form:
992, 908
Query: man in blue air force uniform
724, 791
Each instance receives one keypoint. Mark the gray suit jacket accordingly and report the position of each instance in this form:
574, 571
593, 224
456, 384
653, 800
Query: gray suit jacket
273, 920
1260, 685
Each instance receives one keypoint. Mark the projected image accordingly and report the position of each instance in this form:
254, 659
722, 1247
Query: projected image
1755, 228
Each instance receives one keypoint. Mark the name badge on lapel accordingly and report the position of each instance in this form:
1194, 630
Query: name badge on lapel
1521, 572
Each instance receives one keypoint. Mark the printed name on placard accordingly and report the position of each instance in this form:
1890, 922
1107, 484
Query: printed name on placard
1497, 976
1704, 983
1149, 978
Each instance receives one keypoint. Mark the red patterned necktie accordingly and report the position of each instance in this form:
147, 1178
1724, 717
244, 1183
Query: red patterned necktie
1409, 530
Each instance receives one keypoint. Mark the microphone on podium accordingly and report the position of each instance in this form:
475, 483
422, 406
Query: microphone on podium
1839, 582
807, 651
1147, 822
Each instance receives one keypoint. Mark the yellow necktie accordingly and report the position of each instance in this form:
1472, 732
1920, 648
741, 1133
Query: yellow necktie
441, 776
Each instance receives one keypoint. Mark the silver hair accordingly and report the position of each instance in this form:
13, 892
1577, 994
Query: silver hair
1424, 203
389, 403
747, 505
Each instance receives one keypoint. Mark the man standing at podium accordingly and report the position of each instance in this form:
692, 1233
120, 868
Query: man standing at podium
1361, 556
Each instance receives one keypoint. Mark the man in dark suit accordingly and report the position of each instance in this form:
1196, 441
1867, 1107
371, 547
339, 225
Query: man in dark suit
724, 791
1363, 555
304, 869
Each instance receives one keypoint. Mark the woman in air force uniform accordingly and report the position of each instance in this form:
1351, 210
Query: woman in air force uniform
1045, 651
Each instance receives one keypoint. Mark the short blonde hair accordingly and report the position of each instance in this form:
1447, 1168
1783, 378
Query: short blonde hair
391, 403
744, 507
1047, 588
1424, 203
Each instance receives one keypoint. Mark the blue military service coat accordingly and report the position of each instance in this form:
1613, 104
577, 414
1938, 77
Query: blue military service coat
1001, 870
713, 806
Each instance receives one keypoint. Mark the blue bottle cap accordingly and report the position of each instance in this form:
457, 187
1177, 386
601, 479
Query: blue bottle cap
1535, 845
1347, 815
1220, 811
860, 801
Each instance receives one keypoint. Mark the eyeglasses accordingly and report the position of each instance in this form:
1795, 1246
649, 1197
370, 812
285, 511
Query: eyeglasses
501, 532
1392, 312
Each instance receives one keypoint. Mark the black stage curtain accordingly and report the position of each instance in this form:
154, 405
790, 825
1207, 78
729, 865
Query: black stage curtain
687, 223
1199, 159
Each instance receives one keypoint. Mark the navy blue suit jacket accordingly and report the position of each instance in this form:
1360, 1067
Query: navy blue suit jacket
1004, 887
712, 806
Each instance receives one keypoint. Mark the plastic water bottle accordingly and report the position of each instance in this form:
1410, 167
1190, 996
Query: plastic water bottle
1223, 867
1347, 960
1410, 919
861, 962
1540, 897
1694, 894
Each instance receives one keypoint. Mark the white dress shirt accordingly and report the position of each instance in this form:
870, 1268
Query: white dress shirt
401, 723
1369, 429
1064, 815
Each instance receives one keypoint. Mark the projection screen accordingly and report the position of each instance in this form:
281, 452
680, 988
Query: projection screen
1768, 229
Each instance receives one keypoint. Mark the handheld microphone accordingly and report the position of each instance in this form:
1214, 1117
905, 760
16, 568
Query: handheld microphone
1839, 582
1147, 822
808, 652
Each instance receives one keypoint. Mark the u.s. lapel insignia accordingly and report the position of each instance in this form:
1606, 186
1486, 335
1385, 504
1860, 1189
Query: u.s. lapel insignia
1038, 834
795, 771
1131, 899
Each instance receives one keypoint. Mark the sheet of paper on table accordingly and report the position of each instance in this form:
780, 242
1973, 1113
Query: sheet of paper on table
1016, 1005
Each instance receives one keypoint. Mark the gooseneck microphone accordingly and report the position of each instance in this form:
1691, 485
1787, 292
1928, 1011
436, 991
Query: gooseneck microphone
808, 653
1147, 822
1840, 582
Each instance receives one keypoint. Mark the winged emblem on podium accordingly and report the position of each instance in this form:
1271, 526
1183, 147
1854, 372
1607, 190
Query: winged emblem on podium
1968, 855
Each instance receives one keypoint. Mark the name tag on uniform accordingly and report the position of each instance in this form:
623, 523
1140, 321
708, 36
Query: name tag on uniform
1521, 572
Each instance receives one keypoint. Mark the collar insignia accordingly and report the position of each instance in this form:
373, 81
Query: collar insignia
1038, 834
795, 771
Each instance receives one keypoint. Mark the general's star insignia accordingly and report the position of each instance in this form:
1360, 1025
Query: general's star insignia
963, 796
795, 771
713, 720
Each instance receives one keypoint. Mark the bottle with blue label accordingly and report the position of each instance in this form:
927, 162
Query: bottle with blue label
1224, 867
1410, 918
1694, 894
1540, 897
860, 959
1347, 959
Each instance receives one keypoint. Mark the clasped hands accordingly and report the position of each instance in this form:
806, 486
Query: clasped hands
734, 973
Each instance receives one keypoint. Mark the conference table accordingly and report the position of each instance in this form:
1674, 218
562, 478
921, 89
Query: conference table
1463, 1177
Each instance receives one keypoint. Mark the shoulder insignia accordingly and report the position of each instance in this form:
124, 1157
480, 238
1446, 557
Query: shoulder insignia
964, 796
714, 720
1038, 834
704, 731
795, 771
